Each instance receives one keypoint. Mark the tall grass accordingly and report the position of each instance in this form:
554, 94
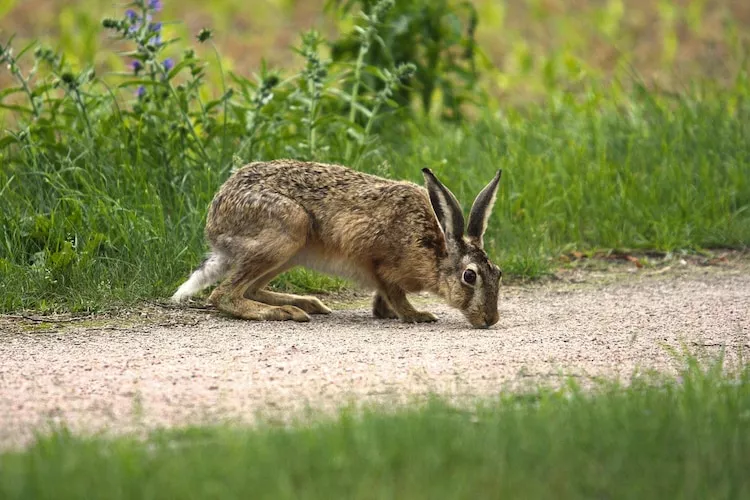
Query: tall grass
682, 438
105, 179
649, 171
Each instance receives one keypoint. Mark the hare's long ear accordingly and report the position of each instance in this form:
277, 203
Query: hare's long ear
445, 205
481, 210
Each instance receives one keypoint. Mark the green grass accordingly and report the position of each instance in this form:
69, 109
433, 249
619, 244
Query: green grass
671, 438
668, 174
103, 195
649, 172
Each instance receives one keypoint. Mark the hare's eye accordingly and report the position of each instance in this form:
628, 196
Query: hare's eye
470, 277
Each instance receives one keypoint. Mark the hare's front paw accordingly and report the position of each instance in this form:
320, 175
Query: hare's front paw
419, 317
381, 309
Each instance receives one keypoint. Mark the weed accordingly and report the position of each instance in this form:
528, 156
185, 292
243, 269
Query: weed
438, 37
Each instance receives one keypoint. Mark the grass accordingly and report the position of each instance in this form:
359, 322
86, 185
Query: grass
103, 194
658, 438
670, 174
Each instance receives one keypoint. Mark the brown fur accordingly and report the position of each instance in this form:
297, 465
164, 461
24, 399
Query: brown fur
271, 216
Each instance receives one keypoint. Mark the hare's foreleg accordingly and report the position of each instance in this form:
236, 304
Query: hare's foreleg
381, 309
396, 298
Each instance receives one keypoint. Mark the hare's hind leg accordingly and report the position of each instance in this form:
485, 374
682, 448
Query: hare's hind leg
229, 297
308, 304
256, 261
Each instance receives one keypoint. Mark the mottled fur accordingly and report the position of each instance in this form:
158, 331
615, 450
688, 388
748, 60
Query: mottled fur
271, 216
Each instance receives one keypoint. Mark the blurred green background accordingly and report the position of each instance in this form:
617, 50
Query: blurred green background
532, 45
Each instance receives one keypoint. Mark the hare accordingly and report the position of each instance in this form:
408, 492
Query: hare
393, 236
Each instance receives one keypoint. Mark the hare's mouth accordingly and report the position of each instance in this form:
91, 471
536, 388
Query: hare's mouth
483, 323
480, 325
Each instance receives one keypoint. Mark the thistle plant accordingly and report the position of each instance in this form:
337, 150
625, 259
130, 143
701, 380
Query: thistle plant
138, 25
366, 35
254, 118
313, 77
392, 80
11, 62
438, 36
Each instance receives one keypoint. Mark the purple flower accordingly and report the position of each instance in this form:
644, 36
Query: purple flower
155, 26
154, 5
156, 41
141, 91
168, 64
140, 22
136, 66
131, 15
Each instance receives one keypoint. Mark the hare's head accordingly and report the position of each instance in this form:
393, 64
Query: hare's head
468, 280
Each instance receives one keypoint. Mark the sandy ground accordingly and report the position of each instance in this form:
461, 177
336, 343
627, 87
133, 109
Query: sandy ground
164, 367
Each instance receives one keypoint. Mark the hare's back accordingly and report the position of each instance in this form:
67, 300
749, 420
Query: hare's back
336, 198
294, 177
319, 185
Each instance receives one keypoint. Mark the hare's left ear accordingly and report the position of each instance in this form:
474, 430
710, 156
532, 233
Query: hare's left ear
446, 207
481, 210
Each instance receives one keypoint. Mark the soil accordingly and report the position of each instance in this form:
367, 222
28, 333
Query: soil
156, 366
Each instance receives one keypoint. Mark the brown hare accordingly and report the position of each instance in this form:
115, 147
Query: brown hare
393, 236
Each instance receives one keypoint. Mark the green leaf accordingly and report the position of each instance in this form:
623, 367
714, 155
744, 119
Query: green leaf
138, 83
18, 109
7, 141
63, 257
26, 49
13, 90
356, 133
179, 67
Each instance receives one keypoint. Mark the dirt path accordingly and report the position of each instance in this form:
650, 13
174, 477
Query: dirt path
195, 366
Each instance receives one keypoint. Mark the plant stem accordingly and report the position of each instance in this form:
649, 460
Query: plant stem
185, 117
224, 93
311, 118
81, 105
355, 90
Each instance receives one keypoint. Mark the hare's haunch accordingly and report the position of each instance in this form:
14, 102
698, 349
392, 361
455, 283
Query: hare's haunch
393, 236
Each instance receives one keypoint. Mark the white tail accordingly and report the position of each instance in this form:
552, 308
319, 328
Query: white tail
209, 272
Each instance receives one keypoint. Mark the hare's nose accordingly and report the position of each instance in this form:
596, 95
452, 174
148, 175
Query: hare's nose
492, 319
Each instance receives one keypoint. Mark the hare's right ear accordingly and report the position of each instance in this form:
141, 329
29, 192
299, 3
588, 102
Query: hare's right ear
481, 209
445, 205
